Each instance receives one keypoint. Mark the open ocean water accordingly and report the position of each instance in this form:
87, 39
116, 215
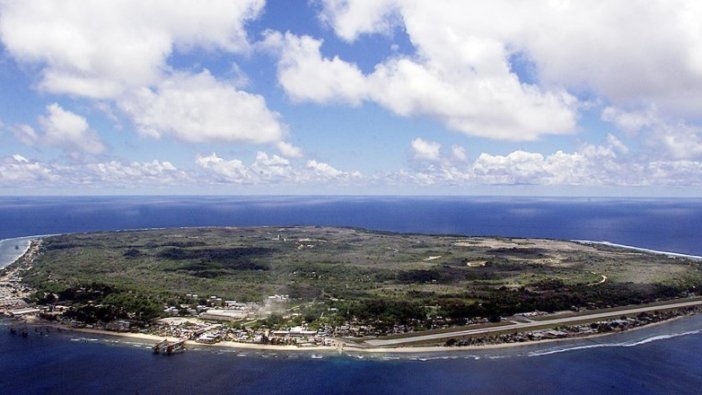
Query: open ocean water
657, 360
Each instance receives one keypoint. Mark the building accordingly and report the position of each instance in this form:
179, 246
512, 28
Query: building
224, 314
296, 331
23, 312
118, 326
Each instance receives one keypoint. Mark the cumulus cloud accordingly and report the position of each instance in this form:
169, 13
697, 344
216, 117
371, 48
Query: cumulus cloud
518, 167
307, 76
198, 108
233, 171
684, 173
426, 150
25, 134
289, 150
124, 174
681, 140
118, 52
100, 49
665, 137
474, 96
632, 53
608, 164
270, 169
350, 19
630, 121
324, 172
459, 153
18, 171
323, 169
71, 131
640, 54
63, 129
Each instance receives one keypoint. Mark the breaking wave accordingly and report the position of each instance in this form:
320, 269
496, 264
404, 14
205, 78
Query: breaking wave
608, 345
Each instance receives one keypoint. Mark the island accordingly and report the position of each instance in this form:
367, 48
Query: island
342, 288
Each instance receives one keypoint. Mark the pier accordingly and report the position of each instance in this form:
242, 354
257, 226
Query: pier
169, 347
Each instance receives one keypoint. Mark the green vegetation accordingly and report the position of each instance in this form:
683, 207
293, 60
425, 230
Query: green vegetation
337, 275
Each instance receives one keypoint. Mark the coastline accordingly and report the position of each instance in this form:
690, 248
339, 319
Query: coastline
346, 349
18, 253
640, 249
350, 347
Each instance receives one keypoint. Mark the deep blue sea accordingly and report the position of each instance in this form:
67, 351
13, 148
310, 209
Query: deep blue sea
661, 359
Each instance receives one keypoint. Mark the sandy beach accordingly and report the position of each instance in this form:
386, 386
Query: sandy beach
149, 339
8, 252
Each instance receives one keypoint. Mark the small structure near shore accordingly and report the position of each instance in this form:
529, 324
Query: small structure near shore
169, 347
23, 312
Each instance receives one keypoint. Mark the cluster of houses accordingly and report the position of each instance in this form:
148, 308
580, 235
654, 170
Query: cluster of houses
206, 332
217, 309
570, 331
10, 297
12, 291
198, 326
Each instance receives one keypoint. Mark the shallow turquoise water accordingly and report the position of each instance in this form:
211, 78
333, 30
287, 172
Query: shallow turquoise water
11, 249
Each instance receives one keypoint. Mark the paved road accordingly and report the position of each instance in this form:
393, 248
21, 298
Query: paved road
528, 325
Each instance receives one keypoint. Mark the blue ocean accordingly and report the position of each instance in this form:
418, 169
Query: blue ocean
655, 360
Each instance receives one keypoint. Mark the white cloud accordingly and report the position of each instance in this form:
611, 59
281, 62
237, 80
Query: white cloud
479, 99
676, 139
518, 167
608, 164
70, 131
681, 140
225, 170
289, 150
25, 134
18, 171
427, 150
118, 52
459, 153
198, 108
307, 76
495, 105
264, 169
63, 129
270, 169
590, 165
630, 121
350, 19
120, 174
633, 54
616, 144
685, 173
100, 49
323, 169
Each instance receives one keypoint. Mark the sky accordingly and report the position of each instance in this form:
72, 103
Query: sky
352, 97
